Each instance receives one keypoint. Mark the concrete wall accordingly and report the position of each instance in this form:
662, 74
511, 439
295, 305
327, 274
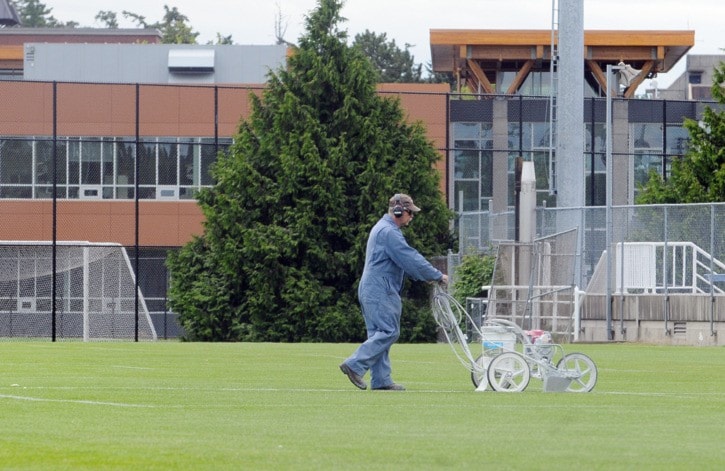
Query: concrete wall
691, 319
694, 333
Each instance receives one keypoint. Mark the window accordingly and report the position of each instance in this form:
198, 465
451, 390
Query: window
107, 165
695, 77
168, 163
647, 154
472, 166
147, 163
93, 167
534, 142
677, 140
188, 164
16, 161
595, 164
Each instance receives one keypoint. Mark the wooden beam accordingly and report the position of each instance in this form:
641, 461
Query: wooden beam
639, 38
501, 53
489, 37
619, 53
472, 85
480, 76
600, 76
520, 77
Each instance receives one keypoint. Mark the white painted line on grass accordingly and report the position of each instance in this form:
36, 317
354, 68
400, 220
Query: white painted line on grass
74, 401
343, 389
132, 367
665, 394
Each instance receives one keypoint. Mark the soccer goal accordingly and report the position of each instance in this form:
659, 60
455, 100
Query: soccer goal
95, 292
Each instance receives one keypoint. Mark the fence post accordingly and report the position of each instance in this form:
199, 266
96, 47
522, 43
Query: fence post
54, 276
136, 210
665, 277
712, 256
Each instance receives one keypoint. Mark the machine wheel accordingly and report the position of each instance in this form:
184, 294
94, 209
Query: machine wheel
478, 374
509, 372
581, 369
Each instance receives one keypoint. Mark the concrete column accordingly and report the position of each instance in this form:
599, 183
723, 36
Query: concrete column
499, 229
620, 153
500, 155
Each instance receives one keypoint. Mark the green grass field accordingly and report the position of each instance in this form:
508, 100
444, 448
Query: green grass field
197, 406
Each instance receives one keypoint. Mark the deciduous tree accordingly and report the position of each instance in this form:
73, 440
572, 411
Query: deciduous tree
174, 26
36, 14
699, 176
394, 65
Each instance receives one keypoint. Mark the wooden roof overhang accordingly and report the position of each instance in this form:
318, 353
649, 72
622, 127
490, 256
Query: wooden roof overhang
477, 56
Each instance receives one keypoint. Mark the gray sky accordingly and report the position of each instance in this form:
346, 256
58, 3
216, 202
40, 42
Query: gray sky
409, 21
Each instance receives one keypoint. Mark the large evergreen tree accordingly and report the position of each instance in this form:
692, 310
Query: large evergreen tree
699, 177
309, 174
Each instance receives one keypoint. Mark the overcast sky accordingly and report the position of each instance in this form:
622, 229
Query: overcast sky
410, 21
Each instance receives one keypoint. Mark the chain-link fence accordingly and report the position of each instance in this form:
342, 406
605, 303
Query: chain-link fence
96, 296
120, 165
698, 224
661, 266
115, 164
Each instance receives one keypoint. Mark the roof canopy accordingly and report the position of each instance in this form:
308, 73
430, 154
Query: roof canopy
477, 56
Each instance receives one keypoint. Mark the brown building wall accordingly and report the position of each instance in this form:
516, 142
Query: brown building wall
161, 223
110, 109
27, 109
167, 111
425, 103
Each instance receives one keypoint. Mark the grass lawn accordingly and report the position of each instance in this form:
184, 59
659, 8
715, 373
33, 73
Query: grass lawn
194, 406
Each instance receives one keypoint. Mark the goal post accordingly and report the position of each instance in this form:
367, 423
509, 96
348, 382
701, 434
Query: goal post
95, 292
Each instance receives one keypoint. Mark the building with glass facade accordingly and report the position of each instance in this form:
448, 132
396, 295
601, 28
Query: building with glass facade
506, 108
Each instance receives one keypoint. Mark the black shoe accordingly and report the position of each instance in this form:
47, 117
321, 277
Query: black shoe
391, 387
355, 378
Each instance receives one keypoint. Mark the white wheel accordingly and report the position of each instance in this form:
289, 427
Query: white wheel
580, 369
478, 374
509, 372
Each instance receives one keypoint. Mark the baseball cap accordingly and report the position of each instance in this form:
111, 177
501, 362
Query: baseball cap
405, 201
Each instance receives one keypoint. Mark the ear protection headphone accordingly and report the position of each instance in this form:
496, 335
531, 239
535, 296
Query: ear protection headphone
398, 208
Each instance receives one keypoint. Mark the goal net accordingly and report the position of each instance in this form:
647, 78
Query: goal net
95, 292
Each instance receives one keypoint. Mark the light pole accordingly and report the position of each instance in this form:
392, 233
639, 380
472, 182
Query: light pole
610, 164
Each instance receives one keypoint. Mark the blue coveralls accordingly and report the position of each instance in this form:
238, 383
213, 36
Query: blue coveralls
388, 258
